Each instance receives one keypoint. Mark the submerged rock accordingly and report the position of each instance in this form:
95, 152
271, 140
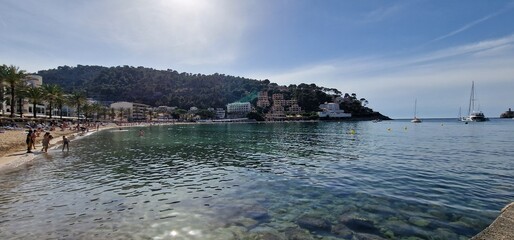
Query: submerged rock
265, 233
313, 223
297, 234
258, 213
360, 225
230, 233
366, 236
245, 222
418, 221
342, 231
266, 236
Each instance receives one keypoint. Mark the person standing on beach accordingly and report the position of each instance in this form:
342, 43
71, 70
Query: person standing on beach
46, 141
65, 143
28, 140
33, 139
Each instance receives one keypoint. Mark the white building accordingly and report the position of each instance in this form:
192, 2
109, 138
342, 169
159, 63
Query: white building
239, 107
27, 106
132, 111
331, 110
220, 113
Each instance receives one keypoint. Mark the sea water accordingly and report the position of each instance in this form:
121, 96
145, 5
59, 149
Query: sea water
440, 179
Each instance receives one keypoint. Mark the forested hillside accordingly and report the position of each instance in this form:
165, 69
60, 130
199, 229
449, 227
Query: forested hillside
153, 87
184, 90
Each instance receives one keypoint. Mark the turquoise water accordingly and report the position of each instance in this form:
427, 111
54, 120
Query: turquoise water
440, 179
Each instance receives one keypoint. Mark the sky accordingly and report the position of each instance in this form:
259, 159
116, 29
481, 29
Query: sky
392, 53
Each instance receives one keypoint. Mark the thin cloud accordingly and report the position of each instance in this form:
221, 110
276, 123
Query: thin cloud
382, 13
332, 71
436, 78
471, 24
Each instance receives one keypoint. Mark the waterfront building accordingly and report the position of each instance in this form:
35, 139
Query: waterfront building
238, 109
294, 108
193, 110
276, 113
131, 111
278, 99
263, 99
282, 107
27, 107
220, 113
331, 110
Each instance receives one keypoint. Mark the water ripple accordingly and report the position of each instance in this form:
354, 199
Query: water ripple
214, 181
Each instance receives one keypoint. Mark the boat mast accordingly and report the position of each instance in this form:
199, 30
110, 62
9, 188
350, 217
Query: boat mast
472, 99
415, 104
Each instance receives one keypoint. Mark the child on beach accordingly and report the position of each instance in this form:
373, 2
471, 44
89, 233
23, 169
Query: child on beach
65, 143
46, 141
29, 141
33, 139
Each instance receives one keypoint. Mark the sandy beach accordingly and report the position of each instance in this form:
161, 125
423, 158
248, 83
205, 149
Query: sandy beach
13, 150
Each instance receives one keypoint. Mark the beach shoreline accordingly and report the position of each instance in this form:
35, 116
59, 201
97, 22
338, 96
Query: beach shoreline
14, 150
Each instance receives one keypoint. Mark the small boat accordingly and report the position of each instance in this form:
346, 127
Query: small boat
473, 115
415, 119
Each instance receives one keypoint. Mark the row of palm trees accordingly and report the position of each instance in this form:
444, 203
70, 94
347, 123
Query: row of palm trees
13, 84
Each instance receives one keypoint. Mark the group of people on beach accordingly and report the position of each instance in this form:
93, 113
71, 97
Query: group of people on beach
31, 141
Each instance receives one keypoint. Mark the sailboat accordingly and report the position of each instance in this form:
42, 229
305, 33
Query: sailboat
473, 115
415, 119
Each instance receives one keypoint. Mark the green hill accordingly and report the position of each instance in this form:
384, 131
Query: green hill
184, 90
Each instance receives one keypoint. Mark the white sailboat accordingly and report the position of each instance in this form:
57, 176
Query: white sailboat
473, 115
415, 119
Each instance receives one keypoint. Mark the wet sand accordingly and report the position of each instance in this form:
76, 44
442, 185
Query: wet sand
13, 150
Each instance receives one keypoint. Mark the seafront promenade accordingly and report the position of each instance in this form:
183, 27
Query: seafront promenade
502, 228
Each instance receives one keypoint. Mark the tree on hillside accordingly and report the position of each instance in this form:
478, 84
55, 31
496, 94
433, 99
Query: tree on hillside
14, 76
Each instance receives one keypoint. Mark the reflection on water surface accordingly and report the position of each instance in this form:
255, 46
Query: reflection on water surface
267, 181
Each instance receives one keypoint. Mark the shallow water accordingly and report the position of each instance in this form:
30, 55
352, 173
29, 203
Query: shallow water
440, 179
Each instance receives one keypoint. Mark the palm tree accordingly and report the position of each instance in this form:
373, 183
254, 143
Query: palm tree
88, 110
14, 76
3, 77
96, 109
112, 114
105, 112
52, 92
121, 113
35, 95
20, 93
60, 101
77, 99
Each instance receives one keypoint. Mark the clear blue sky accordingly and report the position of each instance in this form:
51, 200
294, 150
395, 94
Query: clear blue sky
389, 52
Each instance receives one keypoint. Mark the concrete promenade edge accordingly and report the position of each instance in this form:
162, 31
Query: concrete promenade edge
502, 227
